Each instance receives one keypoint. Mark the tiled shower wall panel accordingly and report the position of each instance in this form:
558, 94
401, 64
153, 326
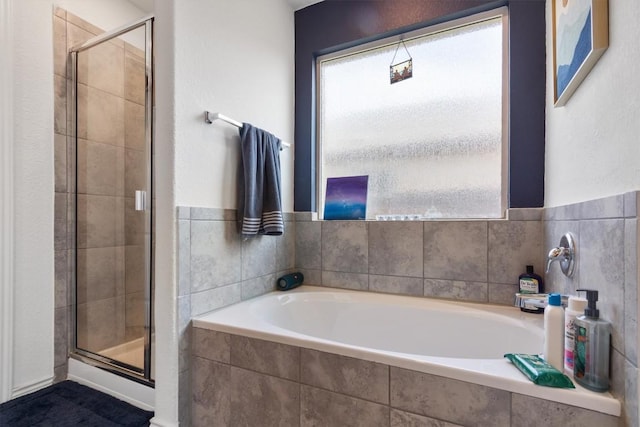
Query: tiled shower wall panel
109, 155
217, 267
606, 233
476, 261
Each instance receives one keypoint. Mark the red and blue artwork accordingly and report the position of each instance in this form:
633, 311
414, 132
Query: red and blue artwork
346, 198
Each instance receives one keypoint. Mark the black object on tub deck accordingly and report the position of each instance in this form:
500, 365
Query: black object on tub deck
290, 281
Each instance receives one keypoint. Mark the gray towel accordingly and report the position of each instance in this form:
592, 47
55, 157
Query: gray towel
259, 200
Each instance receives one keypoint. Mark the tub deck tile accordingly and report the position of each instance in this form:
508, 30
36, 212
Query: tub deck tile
406, 419
266, 357
346, 375
531, 411
263, 400
450, 400
324, 408
210, 383
212, 345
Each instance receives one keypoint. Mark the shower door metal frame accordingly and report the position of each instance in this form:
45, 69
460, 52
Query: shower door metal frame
143, 376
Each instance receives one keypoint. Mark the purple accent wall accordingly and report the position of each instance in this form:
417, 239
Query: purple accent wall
337, 24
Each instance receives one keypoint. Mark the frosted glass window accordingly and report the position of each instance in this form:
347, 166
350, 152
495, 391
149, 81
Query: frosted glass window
432, 145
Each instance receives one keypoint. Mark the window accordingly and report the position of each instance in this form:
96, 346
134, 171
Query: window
434, 145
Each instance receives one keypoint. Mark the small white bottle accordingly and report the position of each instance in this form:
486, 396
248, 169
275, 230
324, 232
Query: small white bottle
575, 308
554, 332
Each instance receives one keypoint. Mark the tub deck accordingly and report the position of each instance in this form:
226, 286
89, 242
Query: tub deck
247, 319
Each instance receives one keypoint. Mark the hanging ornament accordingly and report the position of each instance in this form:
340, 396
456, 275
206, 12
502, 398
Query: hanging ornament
402, 70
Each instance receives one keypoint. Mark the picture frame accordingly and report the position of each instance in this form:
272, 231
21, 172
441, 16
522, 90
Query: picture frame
580, 37
346, 198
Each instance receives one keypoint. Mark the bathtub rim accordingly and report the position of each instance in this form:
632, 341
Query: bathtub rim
495, 373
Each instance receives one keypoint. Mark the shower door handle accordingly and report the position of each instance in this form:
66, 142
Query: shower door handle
141, 200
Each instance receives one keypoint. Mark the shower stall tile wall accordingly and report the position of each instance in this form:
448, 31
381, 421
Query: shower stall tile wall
217, 267
107, 163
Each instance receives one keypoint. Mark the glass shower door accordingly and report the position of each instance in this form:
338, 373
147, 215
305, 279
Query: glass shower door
113, 199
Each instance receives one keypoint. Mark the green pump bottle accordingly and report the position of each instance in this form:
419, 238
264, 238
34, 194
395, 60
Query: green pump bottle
591, 351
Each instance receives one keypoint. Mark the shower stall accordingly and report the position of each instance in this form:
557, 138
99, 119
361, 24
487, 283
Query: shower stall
111, 106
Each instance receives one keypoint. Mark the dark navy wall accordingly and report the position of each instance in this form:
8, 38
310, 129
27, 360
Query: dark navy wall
336, 24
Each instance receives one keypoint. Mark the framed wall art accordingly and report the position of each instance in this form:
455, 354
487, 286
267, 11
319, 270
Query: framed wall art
580, 37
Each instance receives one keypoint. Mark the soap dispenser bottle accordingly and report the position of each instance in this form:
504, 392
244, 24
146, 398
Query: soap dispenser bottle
530, 282
592, 340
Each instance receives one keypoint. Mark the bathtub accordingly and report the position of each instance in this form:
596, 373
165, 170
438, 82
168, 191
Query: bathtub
462, 341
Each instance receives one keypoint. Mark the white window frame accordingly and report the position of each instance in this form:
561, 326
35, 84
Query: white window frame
501, 12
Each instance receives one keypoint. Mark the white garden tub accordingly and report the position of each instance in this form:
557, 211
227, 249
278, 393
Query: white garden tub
462, 341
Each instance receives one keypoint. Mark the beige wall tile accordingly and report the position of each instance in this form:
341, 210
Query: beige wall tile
60, 221
101, 324
59, 12
60, 105
100, 273
61, 338
134, 127
134, 223
62, 284
135, 172
60, 160
96, 221
100, 168
105, 68
100, 116
59, 46
134, 264
135, 80
135, 51
134, 314
81, 23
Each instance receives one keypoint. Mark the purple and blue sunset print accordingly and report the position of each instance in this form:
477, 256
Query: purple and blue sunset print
346, 198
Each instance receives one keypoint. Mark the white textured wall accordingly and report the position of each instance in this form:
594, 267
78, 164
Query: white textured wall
593, 142
235, 57
34, 178
33, 195
166, 285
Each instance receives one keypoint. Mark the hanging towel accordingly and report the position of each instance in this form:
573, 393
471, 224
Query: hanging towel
259, 200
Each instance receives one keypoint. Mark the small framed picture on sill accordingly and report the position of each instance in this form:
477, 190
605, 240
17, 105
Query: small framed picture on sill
346, 198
